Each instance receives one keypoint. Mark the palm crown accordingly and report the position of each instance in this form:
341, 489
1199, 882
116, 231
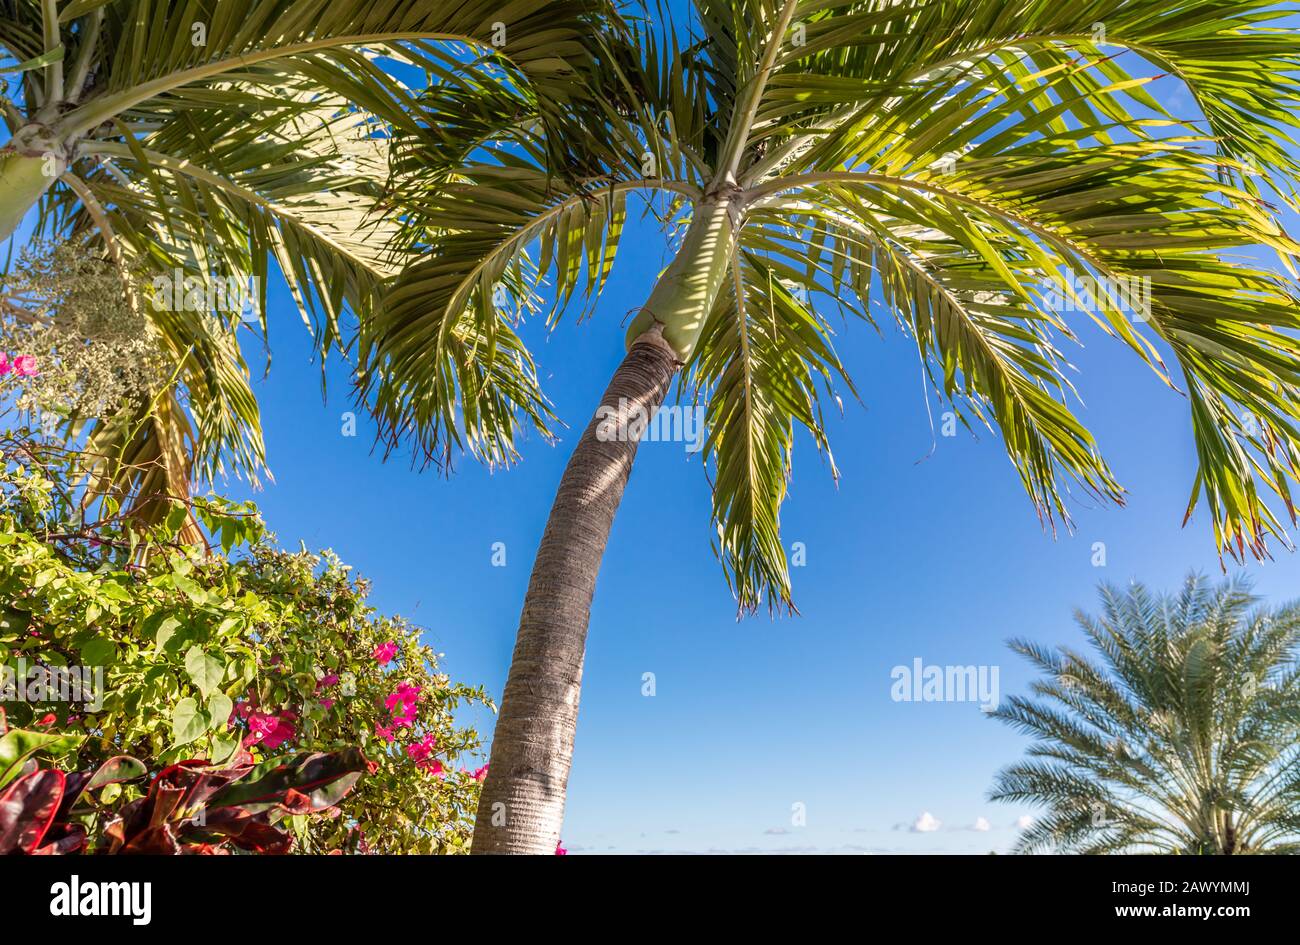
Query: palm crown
944, 164
1177, 736
228, 139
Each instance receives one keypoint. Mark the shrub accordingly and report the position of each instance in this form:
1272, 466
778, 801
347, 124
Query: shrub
159, 650
189, 807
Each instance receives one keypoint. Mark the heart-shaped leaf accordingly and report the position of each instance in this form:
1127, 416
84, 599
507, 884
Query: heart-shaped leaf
219, 709
206, 671
188, 722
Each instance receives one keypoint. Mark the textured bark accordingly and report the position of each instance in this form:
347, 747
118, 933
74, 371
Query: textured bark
522, 805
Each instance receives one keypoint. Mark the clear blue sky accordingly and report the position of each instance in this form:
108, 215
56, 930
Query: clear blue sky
941, 559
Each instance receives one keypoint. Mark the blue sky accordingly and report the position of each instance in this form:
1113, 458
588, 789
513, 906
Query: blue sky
937, 558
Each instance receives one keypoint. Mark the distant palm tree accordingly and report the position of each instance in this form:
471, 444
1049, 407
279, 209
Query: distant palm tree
1180, 735
221, 139
933, 162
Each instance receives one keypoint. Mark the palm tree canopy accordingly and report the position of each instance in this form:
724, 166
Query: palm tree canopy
227, 139
1178, 734
939, 163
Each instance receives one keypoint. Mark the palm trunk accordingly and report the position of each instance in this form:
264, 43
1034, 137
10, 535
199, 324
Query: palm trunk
522, 804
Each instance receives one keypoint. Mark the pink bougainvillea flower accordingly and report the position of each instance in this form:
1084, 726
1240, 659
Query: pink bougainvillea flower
49, 719
270, 731
25, 365
325, 681
260, 725
327, 703
480, 773
385, 652
5, 366
403, 695
421, 750
559, 848
401, 703
384, 731
433, 766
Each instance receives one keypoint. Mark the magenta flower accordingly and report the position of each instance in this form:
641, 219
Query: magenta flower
401, 703
327, 681
480, 773
421, 750
268, 730
384, 731
5, 366
327, 703
25, 365
559, 848
384, 653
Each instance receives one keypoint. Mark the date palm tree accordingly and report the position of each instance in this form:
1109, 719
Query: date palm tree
950, 165
1180, 735
210, 139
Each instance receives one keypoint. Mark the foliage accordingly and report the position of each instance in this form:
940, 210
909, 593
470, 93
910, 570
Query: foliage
189, 807
954, 166
226, 140
225, 654
1180, 734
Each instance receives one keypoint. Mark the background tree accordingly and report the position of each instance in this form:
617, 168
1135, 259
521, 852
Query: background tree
1178, 735
207, 142
945, 164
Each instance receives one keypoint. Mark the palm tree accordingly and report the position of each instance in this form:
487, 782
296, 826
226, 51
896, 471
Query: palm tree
1179, 737
944, 163
209, 139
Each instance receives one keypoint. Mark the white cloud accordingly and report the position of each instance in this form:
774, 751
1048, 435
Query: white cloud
926, 823
982, 825
1024, 823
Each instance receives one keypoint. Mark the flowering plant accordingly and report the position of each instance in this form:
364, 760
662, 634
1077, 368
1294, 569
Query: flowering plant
230, 654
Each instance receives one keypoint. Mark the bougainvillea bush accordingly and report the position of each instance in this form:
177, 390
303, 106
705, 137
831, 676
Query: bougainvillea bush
233, 651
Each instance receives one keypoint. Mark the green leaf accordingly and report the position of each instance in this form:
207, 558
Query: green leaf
115, 770
44, 59
190, 589
17, 745
99, 652
206, 671
224, 748
188, 722
219, 708
165, 631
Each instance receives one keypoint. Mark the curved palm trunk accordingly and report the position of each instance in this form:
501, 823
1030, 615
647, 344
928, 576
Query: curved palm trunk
522, 804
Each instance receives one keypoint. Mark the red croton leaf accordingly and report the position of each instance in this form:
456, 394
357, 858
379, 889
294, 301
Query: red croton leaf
27, 809
63, 840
